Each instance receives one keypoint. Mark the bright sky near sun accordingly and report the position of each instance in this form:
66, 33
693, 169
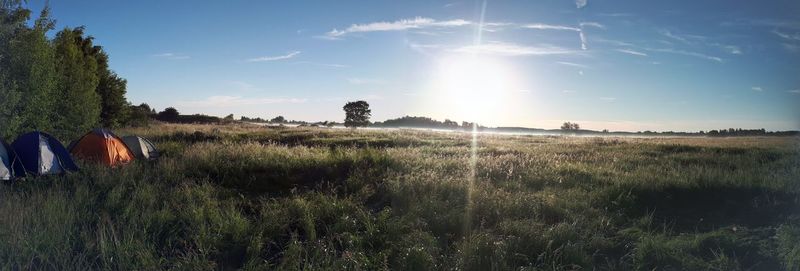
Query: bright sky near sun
618, 65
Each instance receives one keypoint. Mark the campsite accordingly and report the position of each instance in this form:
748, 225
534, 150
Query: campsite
400, 135
252, 197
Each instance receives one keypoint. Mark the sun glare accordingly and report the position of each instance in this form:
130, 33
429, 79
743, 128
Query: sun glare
473, 88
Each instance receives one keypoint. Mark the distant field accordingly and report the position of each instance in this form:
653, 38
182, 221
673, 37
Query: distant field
230, 197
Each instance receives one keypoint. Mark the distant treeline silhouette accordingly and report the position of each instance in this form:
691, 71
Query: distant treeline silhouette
170, 114
566, 128
424, 122
746, 132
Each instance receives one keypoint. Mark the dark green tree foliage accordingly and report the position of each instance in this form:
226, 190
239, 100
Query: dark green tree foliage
357, 114
63, 86
114, 108
12, 20
170, 114
79, 104
278, 119
28, 74
570, 126
139, 115
418, 122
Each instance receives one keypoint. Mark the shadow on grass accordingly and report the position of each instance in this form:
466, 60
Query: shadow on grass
708, 208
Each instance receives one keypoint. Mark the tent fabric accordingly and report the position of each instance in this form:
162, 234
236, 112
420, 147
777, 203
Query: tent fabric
10, 166
49, 163
141, 147
102, 146
5, 164
42, 154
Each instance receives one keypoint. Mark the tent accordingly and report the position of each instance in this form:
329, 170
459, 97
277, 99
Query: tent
141, 147
102, 146
42, 154
9, 163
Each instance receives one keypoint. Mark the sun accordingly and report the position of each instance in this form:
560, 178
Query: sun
474, 88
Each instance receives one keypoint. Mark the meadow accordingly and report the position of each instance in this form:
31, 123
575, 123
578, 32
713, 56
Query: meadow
255, 198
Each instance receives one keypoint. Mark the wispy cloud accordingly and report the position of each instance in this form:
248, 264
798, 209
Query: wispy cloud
330, 65
171, 56
617, 14
687, 53
399, 25
788, 36
571, 64
274, 58
581, 3
794, 91
583, 40
550, 27
231, 101
365, 81
631, 52
764, 23
425, 46
511, 49
448, 5
695, 40
732, 49
593, 24
608, 99
669, 34
614, 42
581, 32
757, 88
496, 26
244, 86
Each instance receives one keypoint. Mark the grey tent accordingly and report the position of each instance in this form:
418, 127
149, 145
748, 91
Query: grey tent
141, 147
9, 164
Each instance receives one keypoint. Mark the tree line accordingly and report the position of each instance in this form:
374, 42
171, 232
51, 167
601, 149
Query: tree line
62, 85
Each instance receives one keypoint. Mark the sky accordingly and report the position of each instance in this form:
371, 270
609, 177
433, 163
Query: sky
618, 65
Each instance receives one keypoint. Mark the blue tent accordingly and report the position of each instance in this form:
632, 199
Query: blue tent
42, 154
9, 163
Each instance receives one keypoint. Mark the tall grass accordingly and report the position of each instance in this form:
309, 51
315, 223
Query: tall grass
244, 197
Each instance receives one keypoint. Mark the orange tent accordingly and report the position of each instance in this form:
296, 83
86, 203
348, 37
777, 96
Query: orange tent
102, 146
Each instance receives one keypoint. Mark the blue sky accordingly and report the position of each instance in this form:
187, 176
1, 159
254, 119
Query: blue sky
618, 65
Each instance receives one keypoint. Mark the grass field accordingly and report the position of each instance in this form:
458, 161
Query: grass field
231, 197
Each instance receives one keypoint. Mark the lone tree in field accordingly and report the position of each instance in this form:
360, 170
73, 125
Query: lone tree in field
570, 126
356, 114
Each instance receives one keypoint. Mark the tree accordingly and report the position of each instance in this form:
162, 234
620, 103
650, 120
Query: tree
356, 114
570, 126
139, 115
278, 119
78, 105
170, 114
61, 85
228, 117
146, 107
28, 77
114, 110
